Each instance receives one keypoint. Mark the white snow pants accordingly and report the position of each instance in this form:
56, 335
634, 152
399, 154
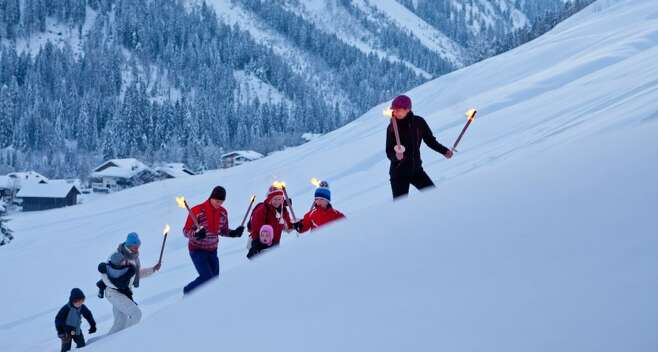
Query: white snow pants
126, 312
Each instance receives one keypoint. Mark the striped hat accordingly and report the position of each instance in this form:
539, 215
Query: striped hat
273, 192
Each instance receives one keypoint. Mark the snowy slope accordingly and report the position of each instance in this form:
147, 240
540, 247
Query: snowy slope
428, 35
335, 19
541, 235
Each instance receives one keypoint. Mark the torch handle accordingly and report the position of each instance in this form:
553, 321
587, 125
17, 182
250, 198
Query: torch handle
163, 246
196, 221
244, 219
292, 212
468, 123
396, 131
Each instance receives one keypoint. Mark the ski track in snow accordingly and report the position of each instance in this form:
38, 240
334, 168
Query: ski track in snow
541, 235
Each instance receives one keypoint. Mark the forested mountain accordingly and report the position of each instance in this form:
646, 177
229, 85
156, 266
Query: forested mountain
172, 80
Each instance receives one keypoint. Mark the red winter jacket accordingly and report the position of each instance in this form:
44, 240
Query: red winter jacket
318, 217
266, 214
215, 221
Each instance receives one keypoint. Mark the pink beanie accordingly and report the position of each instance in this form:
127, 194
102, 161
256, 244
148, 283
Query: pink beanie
266, 235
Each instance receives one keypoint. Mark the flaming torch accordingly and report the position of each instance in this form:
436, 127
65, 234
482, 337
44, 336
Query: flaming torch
315, 182
399, 148
251, 203
470, 116
165, 233
282, 186
183, 204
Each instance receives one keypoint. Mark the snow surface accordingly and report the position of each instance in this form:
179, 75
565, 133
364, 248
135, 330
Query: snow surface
249, 154
58, 34
175, 170
17, 179
252, 87
51, 189
125, 168
233, 14
541, 235
426, 34
334, 19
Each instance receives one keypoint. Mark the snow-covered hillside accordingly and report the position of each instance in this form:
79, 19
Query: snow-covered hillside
541, 235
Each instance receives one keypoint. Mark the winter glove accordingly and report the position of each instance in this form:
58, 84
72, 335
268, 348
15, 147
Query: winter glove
200, 233
448, 154
298, 226
237, 232
92, 329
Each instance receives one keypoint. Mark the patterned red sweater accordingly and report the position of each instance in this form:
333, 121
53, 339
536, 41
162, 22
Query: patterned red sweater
215, 222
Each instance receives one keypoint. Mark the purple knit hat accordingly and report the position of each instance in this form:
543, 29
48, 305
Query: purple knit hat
401, 102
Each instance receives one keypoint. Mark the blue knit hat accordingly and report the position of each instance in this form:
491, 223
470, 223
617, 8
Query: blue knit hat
323, 192
133, 240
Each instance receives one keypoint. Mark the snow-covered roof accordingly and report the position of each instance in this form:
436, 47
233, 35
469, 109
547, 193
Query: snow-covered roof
248, 154
51, 189
5, 182
119, 168
175, 170
17, 179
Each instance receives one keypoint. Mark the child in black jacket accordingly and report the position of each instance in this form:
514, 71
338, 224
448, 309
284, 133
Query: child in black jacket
69, 320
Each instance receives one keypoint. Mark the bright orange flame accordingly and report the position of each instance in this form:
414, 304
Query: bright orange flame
181, 202
315, 182
279, 184
388, 113
166, 229
470, 114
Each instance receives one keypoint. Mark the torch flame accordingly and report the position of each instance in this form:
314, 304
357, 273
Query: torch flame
181, 202
166, 229
315, 182
279, 184
470, 114
388, 113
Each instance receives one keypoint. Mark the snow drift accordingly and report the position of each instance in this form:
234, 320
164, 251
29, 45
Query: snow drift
541, 235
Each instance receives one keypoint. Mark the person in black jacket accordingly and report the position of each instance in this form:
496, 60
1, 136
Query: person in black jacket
406, 164
69, 319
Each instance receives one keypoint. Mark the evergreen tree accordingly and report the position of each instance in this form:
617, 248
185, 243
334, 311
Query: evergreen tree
5, 233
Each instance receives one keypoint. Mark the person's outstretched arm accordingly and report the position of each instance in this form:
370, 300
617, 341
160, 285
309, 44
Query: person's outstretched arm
430, 140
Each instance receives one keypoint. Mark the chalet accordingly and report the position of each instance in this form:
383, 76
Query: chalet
48, 195
239, 157
173, 170
117, 174
12, 183
5, 187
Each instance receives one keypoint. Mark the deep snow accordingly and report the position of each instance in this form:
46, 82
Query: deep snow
542, 234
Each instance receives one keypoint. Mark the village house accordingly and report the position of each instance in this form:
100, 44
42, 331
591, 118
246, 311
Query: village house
173, 170
118, 174
11, 183
239, 157
48, 195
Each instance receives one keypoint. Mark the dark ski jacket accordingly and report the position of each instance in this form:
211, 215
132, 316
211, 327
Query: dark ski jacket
257, 247
69, 319
413, 130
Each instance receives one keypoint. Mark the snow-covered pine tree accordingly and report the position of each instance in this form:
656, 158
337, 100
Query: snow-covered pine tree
5, 233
